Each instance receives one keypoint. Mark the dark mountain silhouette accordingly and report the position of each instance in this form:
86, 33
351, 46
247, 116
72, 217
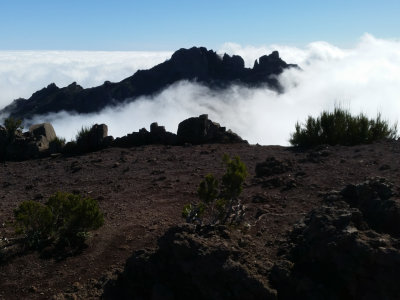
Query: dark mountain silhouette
194, 64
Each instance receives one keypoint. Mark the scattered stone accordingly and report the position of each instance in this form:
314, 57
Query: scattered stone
273, 166
75, 166
384, 167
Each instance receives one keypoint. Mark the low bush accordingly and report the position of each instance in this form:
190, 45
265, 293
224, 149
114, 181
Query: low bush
57, 144
64, 220
83, 140
341, 128
82, 134
35, 221
12, 125
219, 203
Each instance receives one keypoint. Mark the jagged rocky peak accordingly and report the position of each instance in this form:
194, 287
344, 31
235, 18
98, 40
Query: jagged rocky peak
194, 64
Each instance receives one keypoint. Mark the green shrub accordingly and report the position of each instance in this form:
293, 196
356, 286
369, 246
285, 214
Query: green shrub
219, 204
82, 134
74, 216
64, 220
341, 128
35, 220
83, 140
12, 125
57, 144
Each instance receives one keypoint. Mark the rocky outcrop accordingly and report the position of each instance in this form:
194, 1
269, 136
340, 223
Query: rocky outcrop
374, 199
346, 249
44, 129
89, 140
31, 144
157, 135
202, 262
201, 130
196, 130
41, 140
194, 64
94, 139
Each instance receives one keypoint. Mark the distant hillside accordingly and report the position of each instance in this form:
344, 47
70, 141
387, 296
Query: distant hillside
194, 64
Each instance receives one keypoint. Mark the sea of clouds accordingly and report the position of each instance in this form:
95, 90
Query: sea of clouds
364, 78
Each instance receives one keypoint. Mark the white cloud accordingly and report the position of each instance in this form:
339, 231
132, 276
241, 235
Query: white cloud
365, 78
24, 72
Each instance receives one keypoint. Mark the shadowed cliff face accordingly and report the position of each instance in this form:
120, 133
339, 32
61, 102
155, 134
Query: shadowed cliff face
195, 64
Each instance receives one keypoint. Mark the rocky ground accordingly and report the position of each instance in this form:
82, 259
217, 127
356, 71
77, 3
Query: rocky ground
308, 231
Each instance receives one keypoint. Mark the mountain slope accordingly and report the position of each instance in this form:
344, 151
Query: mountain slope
194, 64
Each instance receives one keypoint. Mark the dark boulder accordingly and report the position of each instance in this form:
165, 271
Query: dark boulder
201, 130
342, 251
374, 198
97, 134
157, 135
191, 262
44, 129
31, 144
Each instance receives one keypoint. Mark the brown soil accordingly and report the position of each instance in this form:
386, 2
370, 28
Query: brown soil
142, 190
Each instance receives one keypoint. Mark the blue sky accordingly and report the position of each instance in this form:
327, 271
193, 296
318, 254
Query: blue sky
168, 25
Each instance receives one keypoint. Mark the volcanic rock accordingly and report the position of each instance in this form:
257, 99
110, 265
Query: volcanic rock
335, 252
31, 144
191, 263
157, 135
373, 198
44, 129
201, 130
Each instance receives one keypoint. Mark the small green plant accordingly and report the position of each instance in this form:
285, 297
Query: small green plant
57, 144
74, 216
12, 125
83, 140
219, 203
59, 140
35, 221
82, 134
341, 128
64, 220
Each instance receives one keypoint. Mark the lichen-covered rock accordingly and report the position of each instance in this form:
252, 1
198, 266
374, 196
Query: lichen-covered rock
44, 129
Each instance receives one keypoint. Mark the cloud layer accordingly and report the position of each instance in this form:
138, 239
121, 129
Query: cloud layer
24, 72
365, 78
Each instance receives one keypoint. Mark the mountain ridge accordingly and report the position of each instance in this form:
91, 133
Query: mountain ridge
194, 64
